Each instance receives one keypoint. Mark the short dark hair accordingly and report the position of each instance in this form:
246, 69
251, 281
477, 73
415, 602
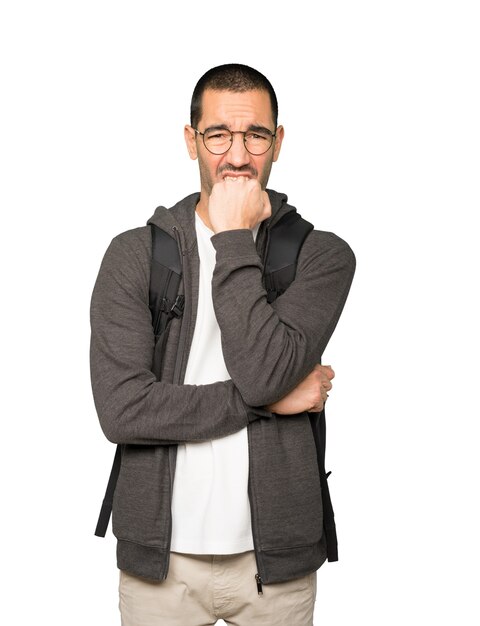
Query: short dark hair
231, 77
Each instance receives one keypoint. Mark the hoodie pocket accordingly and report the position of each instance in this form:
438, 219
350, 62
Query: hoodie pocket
141, 506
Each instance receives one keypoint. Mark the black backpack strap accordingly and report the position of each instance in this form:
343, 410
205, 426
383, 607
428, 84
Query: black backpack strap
106, 509
318, 424
165, 303
284, 242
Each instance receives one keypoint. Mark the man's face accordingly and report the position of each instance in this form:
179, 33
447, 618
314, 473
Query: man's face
236, 111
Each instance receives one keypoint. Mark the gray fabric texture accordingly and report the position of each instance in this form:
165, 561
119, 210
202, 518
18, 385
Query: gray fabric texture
268, 350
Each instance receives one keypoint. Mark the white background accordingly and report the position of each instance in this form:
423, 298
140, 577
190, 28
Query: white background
380, 103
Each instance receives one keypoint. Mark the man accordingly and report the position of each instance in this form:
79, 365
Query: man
218, 510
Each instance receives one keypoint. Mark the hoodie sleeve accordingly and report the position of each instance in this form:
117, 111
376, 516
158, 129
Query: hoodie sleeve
132, 406
270, 348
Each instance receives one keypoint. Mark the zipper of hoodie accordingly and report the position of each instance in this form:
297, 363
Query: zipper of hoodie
176, 380
258, 577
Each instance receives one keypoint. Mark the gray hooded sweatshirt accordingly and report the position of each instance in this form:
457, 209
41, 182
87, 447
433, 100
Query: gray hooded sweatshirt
268, 349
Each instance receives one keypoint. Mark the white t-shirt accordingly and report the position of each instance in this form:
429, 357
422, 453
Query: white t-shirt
210, 505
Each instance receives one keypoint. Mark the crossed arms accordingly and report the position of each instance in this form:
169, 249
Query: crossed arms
282, 342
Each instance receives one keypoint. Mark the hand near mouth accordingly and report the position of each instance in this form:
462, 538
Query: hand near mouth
237, 202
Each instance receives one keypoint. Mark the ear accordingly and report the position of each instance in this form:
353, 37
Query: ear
278, 142
191, 141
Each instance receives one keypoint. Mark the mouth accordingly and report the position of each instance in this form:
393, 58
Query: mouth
229, 172
235, 177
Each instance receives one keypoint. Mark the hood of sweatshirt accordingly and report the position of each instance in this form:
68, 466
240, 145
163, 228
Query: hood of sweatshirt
182, 215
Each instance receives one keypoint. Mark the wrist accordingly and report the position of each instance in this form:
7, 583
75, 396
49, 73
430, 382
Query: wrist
234, 244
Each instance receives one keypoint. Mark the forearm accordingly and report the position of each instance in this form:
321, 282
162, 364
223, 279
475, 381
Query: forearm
270, 348
141, 410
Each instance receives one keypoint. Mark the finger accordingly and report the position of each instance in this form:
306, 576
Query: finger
326, 370
329, 372
318, 408
325, 376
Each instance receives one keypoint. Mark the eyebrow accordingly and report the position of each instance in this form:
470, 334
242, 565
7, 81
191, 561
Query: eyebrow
260, 129
252, 127
216, 127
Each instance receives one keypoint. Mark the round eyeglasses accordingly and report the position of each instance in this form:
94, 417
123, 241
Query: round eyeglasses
220, 140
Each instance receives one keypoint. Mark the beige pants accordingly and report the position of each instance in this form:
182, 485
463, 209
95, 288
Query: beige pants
200, 589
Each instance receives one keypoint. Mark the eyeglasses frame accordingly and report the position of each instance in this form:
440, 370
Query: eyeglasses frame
236, 132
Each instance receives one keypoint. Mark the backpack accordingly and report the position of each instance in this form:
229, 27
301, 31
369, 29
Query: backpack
284, 241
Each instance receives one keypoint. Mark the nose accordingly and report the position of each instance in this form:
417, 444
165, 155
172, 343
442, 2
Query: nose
238, 155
